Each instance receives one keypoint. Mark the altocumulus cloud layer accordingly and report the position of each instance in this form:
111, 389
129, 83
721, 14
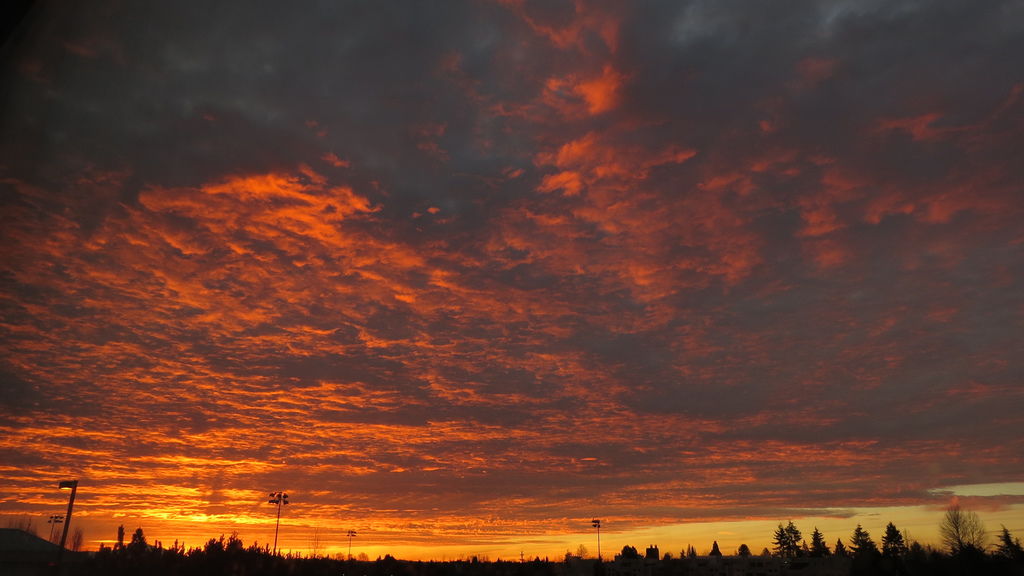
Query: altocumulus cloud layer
458, 271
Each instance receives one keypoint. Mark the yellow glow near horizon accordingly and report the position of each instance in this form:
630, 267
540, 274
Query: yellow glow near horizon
920, 523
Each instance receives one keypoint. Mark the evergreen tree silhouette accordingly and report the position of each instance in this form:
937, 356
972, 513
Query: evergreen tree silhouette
1009, 547
861, 543
893, 545
818, 546
787, 540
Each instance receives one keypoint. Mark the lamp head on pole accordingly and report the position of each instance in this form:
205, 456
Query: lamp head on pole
68, 484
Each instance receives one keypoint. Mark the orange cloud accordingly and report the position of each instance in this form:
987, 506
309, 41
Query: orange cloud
569, 182
919, 127
828, 253
571, 35
601, 94
333, 159
572, 96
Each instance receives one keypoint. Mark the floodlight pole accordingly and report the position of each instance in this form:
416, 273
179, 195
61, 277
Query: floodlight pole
597, 524
278, 498
53, 521
351, 533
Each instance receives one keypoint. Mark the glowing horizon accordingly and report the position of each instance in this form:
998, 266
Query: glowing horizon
463, 278
297, 534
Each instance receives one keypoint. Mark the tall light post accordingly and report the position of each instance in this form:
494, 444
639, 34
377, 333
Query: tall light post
597, 524
351, 534
278, 498
73, 486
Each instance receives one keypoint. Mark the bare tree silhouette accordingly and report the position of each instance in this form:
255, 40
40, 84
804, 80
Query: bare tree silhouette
962, 531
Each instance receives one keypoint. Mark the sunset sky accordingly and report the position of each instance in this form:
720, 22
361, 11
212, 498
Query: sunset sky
463, 275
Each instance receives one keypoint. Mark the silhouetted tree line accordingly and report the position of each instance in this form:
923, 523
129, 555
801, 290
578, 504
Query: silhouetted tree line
964, 540
964, 551
231, 556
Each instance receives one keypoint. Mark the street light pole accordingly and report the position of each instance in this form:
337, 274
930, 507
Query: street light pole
278, 498
351, 533
73, 486
597, 524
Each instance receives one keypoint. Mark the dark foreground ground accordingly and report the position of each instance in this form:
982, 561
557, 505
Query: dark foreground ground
246, 564
25, 555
